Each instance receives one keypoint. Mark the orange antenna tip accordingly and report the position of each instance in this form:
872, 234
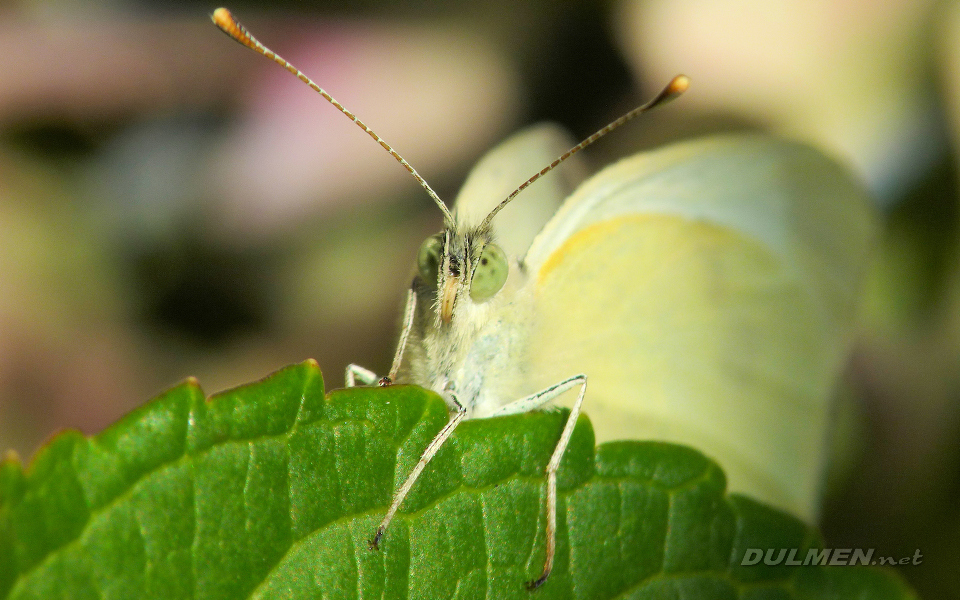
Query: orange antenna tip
223, 19
678, 85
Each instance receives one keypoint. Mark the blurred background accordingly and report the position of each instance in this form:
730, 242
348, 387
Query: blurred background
173, 205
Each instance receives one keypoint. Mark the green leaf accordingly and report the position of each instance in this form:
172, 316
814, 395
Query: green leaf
273, 490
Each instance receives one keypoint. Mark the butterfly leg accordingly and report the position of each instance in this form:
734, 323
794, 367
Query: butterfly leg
408, 313
356, 373
536, 401
365, 376
425, 458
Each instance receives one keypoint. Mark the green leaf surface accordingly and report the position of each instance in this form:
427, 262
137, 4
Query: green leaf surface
273, 490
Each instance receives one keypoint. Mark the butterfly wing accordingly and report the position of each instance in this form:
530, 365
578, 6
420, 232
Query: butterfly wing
707, 290
507, 166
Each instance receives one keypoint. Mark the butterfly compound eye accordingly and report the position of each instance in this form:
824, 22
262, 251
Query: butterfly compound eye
428, 259
490, 274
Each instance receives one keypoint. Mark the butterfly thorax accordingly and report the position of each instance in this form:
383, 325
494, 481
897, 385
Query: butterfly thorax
462, 347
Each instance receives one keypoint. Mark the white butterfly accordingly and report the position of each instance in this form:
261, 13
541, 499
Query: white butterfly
659, 280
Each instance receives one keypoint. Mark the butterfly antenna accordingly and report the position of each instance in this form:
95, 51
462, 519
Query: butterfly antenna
223, 19
677, 86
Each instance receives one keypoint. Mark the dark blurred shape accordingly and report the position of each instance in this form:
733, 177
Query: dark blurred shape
926, 221
56, 140
585, 78
206, 293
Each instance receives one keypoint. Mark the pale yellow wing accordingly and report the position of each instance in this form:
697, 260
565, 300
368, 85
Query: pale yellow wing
507, 166
707, 290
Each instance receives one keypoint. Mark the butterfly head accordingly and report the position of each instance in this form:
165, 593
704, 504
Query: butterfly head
461, 267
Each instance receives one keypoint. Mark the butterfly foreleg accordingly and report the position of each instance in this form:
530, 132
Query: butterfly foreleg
425, 458
530, 403
408, 313
356, 373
